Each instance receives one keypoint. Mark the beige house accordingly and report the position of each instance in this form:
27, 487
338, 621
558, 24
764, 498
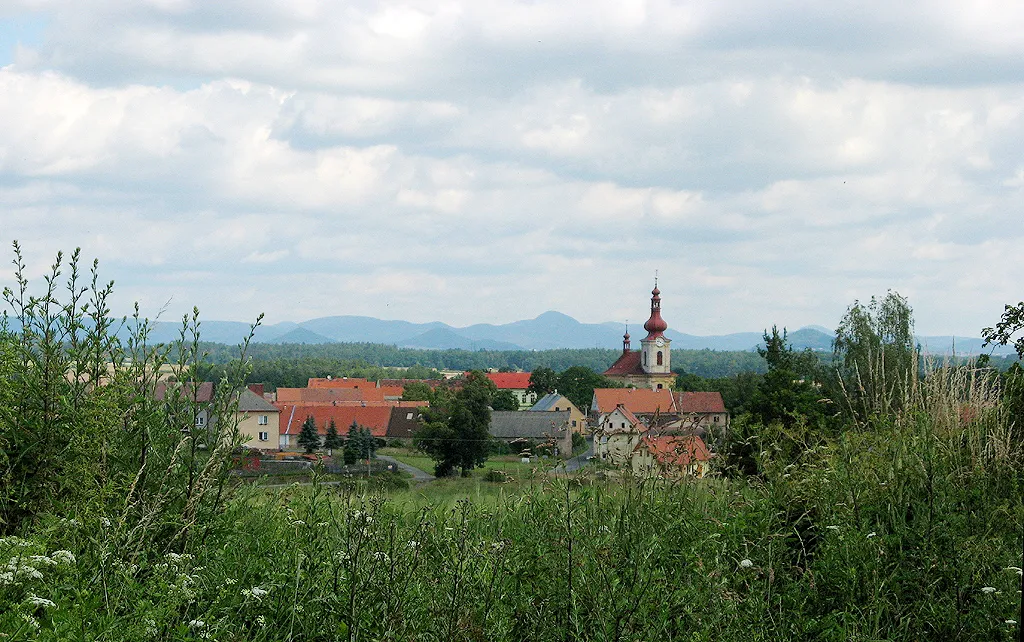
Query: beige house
617, 436
555, 402
258, 421
670, 456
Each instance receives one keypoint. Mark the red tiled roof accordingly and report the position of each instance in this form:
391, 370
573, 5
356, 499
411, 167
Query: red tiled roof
637, 400
675, 451
388, 383
375, 417
391, 391
344, 382
202, 394
699, 402
627, 364
509, 380
328, 395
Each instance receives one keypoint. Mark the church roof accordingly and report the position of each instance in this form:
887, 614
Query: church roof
627, 364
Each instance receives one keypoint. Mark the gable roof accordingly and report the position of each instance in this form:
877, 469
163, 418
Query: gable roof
671, 450
637, 400
548, 402
699, 402
403, 422
328, 395
627, 364
201, 394
375, 417
249, 401
510, 424
343, 382
510, 380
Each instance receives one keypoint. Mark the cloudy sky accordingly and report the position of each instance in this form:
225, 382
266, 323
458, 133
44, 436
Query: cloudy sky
488, 160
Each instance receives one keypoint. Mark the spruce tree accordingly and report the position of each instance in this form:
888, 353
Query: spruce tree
332, 440
309, 438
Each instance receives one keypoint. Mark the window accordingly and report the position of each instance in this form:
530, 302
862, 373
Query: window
660, 386
264, 436
573, 423
661, 358
200, 420
262, 420
717, 418
408, 416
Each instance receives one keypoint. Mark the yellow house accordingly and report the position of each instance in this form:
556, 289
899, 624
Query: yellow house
555, 402
258, 421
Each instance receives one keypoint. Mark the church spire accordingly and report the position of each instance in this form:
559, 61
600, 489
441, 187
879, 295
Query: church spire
655, 326
625, 340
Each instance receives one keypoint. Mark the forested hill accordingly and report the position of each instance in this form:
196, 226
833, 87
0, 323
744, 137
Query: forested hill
332, 356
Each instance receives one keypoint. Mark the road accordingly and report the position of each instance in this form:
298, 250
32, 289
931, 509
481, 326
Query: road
418, 475
574, 464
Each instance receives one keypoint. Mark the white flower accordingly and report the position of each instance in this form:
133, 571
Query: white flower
33, 600
196, 624
341, 557
150, 625
298, 522
230, 581
261, 620
745, 563
1011, 622
105, 522
872, 534
413, 544
255, 593
988, 590
41, 559
381, 556
63, 558
6, 578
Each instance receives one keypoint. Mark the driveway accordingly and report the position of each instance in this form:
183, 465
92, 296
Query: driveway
418, 475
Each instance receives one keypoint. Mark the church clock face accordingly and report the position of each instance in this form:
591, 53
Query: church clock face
659, 342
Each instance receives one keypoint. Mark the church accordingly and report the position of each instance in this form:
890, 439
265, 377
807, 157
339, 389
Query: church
651, 366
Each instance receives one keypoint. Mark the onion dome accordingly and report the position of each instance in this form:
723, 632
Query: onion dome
655, 326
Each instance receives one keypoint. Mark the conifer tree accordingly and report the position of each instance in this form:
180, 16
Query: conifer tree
332, 440
309, 438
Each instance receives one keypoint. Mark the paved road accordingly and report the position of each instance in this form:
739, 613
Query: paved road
574, 464
418, 475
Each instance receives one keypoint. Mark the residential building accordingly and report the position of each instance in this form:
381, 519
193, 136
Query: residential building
403, 423
554, 402
618, 435
258, 421
538, 427
670, 456
517, 383
375, 417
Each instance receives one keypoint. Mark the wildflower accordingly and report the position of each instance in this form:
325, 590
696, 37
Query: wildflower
230, 581
255, 593
381, 556
413, 544
1011, 622
6, 578
63, 558
42, 560
38, 602
196, 624
105, 522
988, 590
341, 557
31, 621
745, 563
872, 534
261, 620
150, 627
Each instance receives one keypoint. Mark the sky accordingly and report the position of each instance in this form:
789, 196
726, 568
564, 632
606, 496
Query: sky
486, 161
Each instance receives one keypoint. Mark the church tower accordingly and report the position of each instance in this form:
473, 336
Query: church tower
655, 354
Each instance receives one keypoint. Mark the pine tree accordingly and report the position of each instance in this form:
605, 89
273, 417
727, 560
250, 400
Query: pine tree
332, 441
309, 438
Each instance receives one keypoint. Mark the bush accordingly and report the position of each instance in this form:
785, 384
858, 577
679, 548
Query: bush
496, 476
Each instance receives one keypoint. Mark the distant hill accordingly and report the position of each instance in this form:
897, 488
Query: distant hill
549, 331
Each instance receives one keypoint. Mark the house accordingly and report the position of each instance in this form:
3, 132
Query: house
639, 401
554, 402
375, 417
517, 383
651, 366
403, 422
198, 397
327, 396
703, 409
258, 421
538, 427
618, 435
670, 456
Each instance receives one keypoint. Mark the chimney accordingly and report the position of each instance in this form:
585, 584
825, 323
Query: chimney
257, 388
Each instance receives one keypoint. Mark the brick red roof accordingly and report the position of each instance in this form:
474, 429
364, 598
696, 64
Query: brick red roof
375, 417
391, 391
328, 395
699, 402
671, 450
389, 383
627, 364
510, 380
637, 400
202, 394
343, 382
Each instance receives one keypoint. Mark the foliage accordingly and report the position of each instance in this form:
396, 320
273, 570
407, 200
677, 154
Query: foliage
455, 430
360, 442
332, 441
737, 391
1010, 324
504, 400
416, 391
309, 437
543, 381
876, 356
578, 383
790, 392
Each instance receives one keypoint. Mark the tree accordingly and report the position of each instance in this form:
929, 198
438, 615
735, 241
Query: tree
1010, 324
542, 381
455, 434
577, 384
790, 392
416, 391
309, 438
505, 400
332, 441
876, 356
360, 443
